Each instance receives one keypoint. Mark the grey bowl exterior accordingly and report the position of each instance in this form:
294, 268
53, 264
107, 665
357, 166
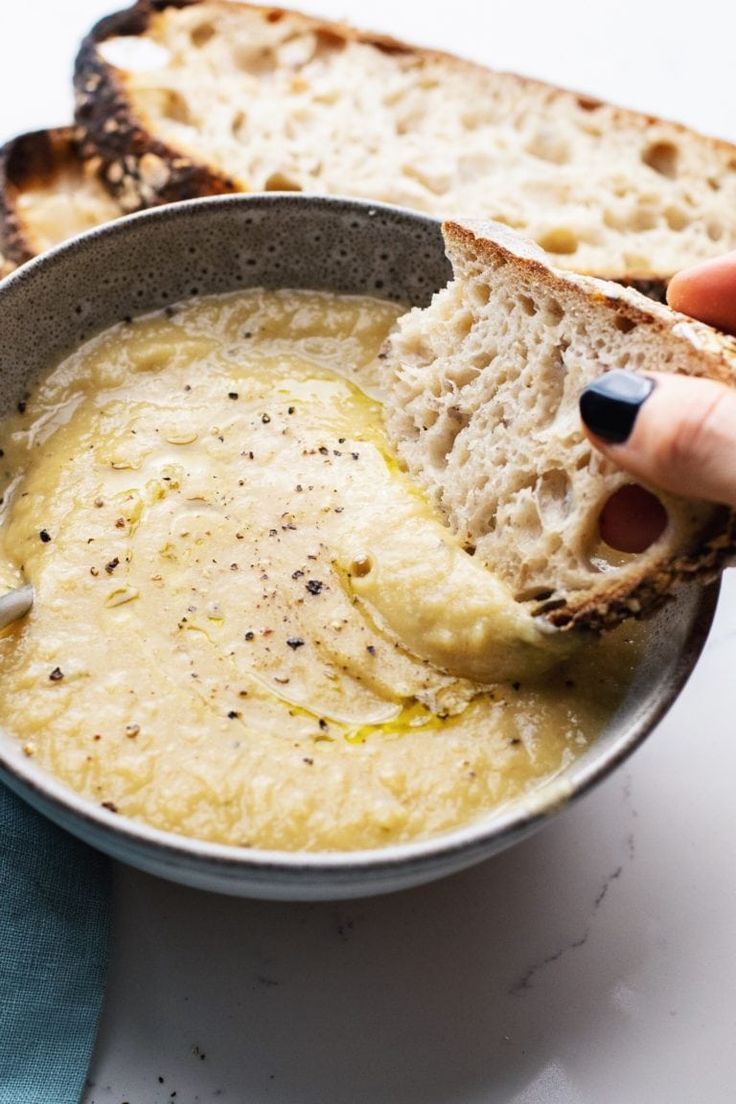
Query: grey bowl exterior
147, 261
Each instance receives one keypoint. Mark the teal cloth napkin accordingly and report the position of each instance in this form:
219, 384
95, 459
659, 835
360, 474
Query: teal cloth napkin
54, 934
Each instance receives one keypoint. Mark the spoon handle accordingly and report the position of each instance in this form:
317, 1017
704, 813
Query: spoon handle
15, 604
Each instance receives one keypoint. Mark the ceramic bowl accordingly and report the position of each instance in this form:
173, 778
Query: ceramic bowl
145, 261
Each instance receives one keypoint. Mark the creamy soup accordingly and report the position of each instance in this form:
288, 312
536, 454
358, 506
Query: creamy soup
250, 627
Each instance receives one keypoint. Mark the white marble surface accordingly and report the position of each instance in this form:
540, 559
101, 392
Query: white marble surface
594, 964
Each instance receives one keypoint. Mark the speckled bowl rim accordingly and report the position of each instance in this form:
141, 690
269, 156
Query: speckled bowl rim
502, 827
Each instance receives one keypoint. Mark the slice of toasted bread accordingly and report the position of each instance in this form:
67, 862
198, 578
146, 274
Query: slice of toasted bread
184, 98
483, 389
47, 194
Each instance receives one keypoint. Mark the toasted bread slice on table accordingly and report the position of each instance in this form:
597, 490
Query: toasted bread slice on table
47, 194
182, 99
483, 389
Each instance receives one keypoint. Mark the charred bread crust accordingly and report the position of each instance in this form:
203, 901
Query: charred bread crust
138, 168
36, 162
715, 551
28, 159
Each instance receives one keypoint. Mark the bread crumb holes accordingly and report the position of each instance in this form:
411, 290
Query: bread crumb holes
559, 240
623, 324
662, 157
201, 34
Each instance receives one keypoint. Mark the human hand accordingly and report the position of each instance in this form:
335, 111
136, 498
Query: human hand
670, 431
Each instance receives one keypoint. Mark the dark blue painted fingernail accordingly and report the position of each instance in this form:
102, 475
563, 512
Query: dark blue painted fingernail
610, 404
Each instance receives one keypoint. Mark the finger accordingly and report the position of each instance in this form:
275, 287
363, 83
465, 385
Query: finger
674, 432
707, 292
632, 519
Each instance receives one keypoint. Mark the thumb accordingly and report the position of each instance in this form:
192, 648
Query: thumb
707, 291
677, 433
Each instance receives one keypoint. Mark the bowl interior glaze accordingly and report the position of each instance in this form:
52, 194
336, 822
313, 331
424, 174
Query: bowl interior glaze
147, 261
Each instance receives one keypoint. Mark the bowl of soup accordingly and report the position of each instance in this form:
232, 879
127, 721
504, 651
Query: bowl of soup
198, 483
